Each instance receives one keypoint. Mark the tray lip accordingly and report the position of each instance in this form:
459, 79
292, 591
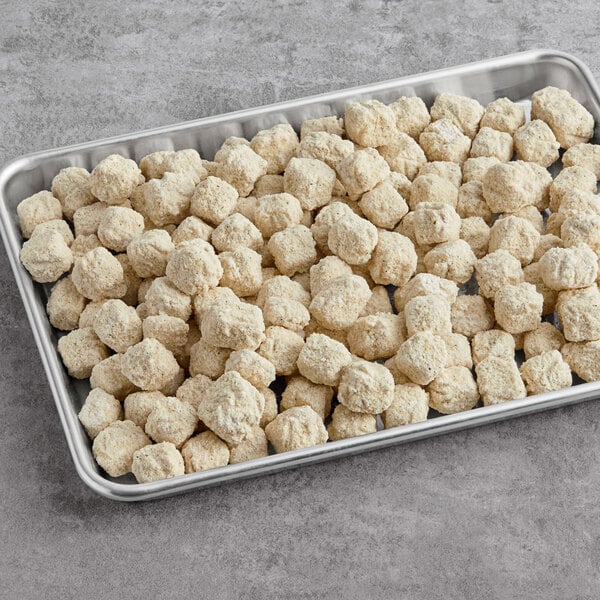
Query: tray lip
128, 492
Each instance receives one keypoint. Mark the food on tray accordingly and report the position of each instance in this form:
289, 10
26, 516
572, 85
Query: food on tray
228, 307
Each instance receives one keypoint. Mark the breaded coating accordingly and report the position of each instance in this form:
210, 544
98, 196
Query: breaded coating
295, 428
300, 391
346, 423
281, 347
453, 390
369, 123
546, 372
518, 308
149, 365
156, 462
504, 115
411, 114
545, 338
498, 380
115, 446
98, 411
409, 405
322, 359
421, 357
492, 143
81, 350
443, 140
114, 178
535, 142
493, 342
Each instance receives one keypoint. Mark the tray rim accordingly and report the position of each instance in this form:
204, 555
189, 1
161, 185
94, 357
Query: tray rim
443, 424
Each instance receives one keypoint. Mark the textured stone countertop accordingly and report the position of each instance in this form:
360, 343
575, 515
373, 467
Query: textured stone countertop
505, 511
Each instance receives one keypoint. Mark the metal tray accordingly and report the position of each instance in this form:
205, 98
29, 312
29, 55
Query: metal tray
516, 76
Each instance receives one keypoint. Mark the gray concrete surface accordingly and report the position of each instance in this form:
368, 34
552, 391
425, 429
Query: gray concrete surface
504, 512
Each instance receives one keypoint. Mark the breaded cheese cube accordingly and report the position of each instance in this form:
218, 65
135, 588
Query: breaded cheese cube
338, 305
504, 115
474, 169
165, 201
83, 244
275, 212
171, 332
242, 271
326, 147
476, 232
436, 223
581, 228
569, 179
65, 305
383, 205
428, 313
252, 367
346, 423
362, 171
470, 315
546, 372
293, 250
325, 271
118, 325
569, 120
234, 232
238, 326
98, 411
411, 114
67, 180
115, 446
98, 275
76, 198
447, 170
284, 287
532, 274
498, 380
379, 303
191, 228
496, 270
149, 365
254, 446
583, 358
148, 253
451, 260
36, 209
265, 186
376, 336
114, 179
156, 462
283, 312
459, 351
586, 156
366, 387
494, 143
80, 351
187, 161
369, 123
130, 279
295, 428
46, 256
421, 357
547, 241
194, 267
87, 218
518, 308
107, 376
119, 226
213, 200
302, 392
462, 111
208, 360
493, 342
424, 284
403, 154
163, 297
530, 214
240, 166
443, 140
204, 451
322, 359
576, 202
276, 145
507, 187
353, 239
544, 338
231, 407
309, 180
191, 390
55, 226
579, 314
535, 142
410, 404
516, 236
432, 188
569, 268
281, 347
171, 420
331, 124
453, 390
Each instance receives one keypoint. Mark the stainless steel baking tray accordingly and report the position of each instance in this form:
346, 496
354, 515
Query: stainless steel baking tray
515, 76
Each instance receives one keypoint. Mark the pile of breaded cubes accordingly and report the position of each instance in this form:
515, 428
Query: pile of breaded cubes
326, 267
